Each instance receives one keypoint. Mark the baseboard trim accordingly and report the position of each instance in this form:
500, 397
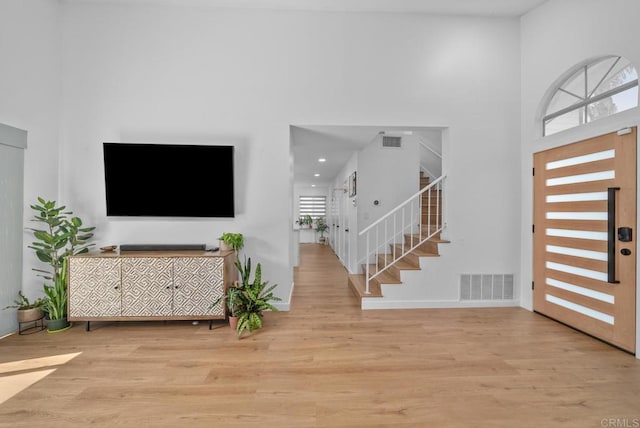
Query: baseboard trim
285, 306
378, 303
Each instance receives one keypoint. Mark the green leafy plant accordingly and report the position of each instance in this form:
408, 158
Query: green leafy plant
234, 240
23, 302
253, 299
232, 299
321, 226
60, 236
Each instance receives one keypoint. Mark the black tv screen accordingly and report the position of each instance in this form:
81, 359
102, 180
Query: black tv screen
168, 180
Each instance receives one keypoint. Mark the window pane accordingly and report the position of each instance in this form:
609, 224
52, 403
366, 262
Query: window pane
601, 78
603, 108
315, 206
575, 84
568, 120
614, 104
626, 100
561, 100
597, 72
617, 77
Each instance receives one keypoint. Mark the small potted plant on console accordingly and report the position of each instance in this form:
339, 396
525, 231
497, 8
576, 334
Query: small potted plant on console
230, 241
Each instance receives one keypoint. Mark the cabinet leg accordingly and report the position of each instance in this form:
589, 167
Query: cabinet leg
210, 324
88, 326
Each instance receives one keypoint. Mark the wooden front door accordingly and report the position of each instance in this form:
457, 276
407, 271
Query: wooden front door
585, 236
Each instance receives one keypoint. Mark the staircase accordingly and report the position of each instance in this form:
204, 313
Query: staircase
420, 241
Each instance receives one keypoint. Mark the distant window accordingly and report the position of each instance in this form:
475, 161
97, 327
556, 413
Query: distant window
315, 206
598, 89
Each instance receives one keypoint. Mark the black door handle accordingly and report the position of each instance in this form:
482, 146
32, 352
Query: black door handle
611, 235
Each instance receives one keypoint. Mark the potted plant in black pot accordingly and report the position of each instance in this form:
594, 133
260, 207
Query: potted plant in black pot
60, 235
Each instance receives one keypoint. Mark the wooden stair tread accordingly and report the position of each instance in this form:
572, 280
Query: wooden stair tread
402, 263
417, 238
358, 284
385, 277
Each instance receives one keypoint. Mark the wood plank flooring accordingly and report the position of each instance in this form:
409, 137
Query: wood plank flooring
325, 363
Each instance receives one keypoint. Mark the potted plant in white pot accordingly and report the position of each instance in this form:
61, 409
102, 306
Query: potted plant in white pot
230, 241
61, 235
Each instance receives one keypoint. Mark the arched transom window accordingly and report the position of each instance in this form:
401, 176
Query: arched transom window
598, 89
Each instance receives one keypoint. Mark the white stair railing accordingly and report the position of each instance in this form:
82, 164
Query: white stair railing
402, 230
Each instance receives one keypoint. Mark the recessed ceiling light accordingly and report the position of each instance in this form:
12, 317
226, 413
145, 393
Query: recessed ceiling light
313, 185
407, 132
316, 175
322, 160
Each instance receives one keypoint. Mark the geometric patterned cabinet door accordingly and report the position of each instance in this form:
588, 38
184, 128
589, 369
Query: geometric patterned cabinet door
147, 286
95, 285
198, 282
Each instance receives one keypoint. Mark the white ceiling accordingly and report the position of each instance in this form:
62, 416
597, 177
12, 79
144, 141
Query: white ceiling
503, 8
336, 144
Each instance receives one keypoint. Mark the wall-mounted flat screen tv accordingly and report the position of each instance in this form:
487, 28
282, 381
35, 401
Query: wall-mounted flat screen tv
168, 180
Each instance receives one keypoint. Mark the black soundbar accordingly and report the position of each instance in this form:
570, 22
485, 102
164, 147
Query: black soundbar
162, 247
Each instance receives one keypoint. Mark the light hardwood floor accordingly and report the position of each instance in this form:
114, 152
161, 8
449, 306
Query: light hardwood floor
325, 363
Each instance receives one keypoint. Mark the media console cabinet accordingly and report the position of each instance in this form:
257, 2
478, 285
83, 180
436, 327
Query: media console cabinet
149, 285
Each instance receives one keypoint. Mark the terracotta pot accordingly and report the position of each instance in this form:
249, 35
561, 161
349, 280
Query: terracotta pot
233, 322
29, 315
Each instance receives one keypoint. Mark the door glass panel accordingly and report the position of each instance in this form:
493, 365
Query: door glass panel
577, 160
587, 273
580, 215
581, 309
582, 178
577, 197
576, 252
580, 234
603, 297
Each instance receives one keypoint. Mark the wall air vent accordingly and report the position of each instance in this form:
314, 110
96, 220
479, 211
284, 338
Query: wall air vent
388, 141
486, 287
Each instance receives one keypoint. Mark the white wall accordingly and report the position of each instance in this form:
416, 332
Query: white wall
574, 31
30, 88
387, 175
429, 158
167, 73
